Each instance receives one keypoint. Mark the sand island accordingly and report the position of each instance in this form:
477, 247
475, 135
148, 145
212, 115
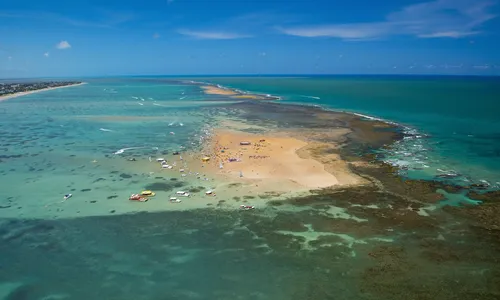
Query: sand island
234, 94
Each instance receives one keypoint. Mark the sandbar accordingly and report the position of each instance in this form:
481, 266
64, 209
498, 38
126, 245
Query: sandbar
10, 96
273, 163
235, 94
213, 90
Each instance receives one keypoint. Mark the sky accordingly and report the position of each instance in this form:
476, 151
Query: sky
60, 38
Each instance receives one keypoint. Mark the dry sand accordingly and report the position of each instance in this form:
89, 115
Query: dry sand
212, 90
273, 164
10, 96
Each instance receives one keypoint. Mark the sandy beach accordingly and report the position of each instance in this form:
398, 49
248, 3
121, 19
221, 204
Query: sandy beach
7, 97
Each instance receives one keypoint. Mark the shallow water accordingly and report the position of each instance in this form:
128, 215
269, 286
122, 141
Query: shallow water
69, 140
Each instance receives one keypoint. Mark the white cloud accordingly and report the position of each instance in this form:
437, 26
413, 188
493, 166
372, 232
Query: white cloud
434, 19
63, 45
46, 54
212, 35
156, 36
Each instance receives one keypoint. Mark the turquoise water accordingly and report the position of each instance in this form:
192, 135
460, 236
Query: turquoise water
99, 245
66, 141
453, 121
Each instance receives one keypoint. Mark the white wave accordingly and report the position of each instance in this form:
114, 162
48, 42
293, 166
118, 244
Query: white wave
106, 130
182, 97
140, 103
136, 98
125, 149
311, 97
132, 148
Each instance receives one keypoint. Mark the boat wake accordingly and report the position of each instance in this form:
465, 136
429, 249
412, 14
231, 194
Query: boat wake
311, 97
132, 148
105, 130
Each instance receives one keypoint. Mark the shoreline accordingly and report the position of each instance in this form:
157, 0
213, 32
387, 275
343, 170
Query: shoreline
20, 94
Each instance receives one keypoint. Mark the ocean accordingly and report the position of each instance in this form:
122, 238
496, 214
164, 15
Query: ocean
100, 142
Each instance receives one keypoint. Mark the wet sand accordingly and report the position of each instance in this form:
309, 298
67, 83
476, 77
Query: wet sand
10, 96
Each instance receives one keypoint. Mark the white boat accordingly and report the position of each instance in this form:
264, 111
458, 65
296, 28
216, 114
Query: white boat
209, 192
180, 193
247, 207
160, 159
186, 194
175, 200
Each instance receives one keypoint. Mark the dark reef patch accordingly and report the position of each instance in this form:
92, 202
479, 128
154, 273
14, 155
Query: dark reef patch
163, 186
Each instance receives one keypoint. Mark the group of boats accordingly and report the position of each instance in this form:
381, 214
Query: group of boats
142, 197
145, 195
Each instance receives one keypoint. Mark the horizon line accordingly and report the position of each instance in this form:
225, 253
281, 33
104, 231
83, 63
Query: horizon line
256, 75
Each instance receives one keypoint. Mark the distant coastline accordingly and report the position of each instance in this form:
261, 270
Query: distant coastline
19, 94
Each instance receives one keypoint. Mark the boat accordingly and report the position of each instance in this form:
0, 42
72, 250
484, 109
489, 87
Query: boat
209, 192
67, 196
160, 159
247, 207
148, 193
137, 197
175, 200
185, 194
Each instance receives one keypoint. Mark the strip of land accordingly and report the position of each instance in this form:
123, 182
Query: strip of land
216, 90
24, 93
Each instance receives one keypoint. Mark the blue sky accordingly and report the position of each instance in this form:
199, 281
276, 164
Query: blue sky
98, 38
